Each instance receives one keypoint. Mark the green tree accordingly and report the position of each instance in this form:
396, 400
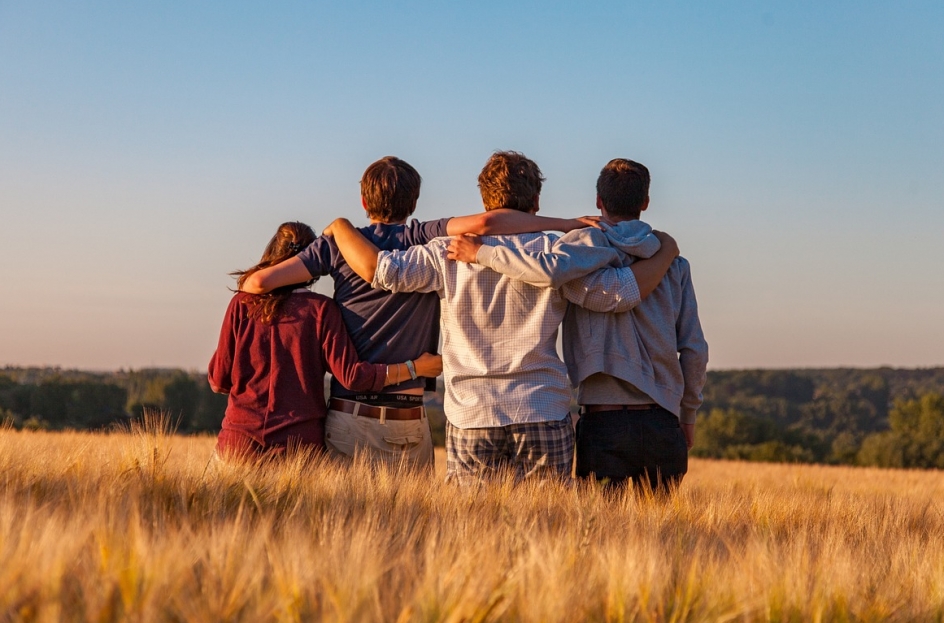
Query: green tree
210, 409
722, 429
82, 404
916, 438
882, 450
181, 397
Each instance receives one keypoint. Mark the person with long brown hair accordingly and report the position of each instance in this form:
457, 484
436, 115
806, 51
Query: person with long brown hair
273, 353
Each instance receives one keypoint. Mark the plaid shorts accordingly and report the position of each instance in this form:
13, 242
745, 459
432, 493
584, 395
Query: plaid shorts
532, 449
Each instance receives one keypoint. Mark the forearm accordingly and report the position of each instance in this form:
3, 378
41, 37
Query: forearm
359, 252
396, 374
417, 269
287, 273
608, 290
649, 272
505, 221
426, 365
554, 268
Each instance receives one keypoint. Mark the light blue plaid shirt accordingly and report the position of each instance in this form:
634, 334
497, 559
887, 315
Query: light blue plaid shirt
500, 358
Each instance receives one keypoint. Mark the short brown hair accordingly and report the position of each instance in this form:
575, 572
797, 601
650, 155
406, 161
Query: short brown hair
390, 188
623, 187
509, 180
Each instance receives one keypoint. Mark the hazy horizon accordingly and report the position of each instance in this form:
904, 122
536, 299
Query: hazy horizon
148, 150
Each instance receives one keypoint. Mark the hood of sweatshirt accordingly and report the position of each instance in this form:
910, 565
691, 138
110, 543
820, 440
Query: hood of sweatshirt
633, 238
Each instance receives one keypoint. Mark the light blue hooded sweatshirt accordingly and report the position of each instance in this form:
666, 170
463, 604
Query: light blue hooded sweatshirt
658, 347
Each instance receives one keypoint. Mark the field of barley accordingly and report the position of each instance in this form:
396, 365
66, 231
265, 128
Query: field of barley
144, 526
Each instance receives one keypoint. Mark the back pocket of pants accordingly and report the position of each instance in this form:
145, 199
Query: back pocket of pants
406, 441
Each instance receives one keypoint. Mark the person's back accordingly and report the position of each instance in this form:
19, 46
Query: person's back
639, 374
507, 399
507, 396
646, 353
639, 371
499, 334
274, 372
273, 352
384, 326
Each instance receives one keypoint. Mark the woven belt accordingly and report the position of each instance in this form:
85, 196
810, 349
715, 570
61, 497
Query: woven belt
378, 413
599, 408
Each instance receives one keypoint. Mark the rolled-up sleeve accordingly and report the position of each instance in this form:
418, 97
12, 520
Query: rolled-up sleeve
586, 269
607, 290
417, 269
569, 258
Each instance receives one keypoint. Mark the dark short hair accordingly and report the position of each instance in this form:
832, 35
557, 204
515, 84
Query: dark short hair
390, 188
510, 180
623, 187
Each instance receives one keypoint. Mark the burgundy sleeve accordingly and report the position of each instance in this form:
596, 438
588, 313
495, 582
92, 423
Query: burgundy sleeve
221, 364
341, 357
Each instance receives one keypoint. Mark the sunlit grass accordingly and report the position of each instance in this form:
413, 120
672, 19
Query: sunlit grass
145, 526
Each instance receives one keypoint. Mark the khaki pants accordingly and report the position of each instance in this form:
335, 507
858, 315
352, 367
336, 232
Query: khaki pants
394, 442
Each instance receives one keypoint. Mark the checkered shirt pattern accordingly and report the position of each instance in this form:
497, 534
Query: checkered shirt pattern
534, 449
577, 264
499, 334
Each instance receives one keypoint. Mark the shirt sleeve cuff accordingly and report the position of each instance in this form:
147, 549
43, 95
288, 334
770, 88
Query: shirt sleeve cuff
380, 377
688, 416
485, 255
383, 267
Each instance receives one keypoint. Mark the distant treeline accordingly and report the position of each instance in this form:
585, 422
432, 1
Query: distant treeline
885, 417
55, 399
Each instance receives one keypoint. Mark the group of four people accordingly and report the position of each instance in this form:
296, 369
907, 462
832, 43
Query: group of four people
632, 341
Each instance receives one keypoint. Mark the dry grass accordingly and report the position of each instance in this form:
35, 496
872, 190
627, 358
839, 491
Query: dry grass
143, 526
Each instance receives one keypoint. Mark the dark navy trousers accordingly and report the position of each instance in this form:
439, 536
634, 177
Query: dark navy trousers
646, 447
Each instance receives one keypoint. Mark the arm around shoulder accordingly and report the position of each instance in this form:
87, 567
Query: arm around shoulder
649, 272
573, 256
359, 252
426, 365
507, 221
417, 269
289, 272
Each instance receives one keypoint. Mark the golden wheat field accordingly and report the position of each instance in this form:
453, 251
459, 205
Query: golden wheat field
144, 526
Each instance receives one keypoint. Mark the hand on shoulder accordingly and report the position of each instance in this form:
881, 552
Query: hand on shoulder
668, 242
581, 222
464, 248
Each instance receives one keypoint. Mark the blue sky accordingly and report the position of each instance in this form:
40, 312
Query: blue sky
147, 150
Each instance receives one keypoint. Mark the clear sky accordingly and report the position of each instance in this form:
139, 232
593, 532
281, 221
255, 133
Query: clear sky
148, 149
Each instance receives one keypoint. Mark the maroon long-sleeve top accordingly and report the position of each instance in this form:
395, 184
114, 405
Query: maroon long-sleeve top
274, 373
